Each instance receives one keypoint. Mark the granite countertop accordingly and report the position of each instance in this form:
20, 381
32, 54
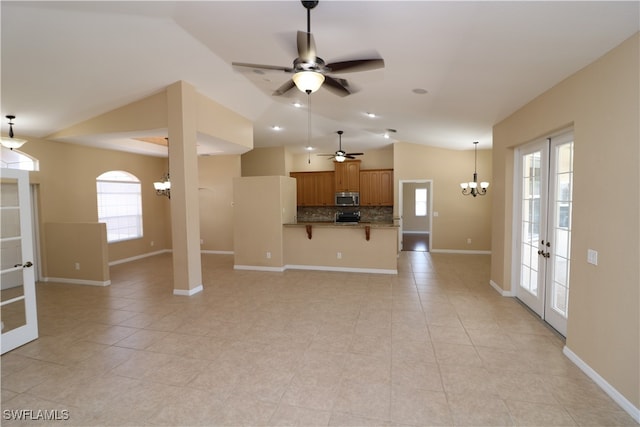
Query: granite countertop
341, 224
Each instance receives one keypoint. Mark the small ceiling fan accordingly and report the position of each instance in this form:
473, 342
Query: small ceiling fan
341, 155
310, 71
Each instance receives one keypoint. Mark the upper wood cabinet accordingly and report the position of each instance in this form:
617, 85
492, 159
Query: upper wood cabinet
376, 187
315, 188
347, 176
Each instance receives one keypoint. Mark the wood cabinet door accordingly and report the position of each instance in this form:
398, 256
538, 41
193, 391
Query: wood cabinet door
365, 188
347, 176
325, 188
353, 176
386, 188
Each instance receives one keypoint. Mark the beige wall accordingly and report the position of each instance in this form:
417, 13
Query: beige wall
67, 192
372, 159
261, 205
216, 174
265, 161
77, 252
459, 217
601, 102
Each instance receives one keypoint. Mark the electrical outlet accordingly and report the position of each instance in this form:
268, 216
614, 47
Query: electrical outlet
268, 255
469, 241
339, 255
202, 241
152, 243
77, 266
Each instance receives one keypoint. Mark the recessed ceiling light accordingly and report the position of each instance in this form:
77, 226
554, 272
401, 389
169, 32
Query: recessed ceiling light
388, 132
371, 115
297, 104
419, 91
276, 127
309, 148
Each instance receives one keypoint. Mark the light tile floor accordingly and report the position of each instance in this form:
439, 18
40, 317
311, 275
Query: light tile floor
434, 345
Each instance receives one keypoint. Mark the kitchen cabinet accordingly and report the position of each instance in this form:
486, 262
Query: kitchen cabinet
347, 176
376, 187
314, 188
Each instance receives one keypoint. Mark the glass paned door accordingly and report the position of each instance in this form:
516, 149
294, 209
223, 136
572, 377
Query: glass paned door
18, 314
544, 199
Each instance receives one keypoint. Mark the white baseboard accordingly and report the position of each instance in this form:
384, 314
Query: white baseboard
603, 384
77, 281
460, 251
316, 268
258, 268
341, 269
217, 252
500, 290
134, 258
188, 292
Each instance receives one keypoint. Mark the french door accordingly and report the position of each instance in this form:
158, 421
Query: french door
18, 313
544, 189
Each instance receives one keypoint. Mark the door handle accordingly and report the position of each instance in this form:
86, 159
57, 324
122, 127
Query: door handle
25, 265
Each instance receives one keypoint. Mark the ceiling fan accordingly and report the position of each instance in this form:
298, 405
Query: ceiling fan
310, 71
341, 155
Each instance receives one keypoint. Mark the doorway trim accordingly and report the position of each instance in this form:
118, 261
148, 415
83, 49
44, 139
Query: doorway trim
401, 183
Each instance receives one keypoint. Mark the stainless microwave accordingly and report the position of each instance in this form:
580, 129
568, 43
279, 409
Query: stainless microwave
348, 199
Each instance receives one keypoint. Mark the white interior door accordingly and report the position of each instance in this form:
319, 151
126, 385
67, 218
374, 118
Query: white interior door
18, 313
544, 176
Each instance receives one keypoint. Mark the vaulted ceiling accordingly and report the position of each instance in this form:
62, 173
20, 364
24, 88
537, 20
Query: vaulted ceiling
452, 69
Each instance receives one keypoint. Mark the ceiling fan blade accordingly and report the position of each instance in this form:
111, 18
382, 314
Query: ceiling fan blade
338, 86
349, 157
289, 84
306, 47
355, 65
263, 67
355, 154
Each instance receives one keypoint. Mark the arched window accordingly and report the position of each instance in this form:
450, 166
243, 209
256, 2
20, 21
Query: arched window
120, 205
14, 159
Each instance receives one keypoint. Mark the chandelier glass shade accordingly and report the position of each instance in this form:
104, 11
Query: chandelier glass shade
472, 188
163, 187
308, 81
12, 142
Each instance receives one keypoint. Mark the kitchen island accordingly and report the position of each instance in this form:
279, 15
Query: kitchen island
363, 247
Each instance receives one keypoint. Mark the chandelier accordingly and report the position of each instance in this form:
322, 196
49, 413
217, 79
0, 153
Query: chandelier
163, 187
12, 142
471, 187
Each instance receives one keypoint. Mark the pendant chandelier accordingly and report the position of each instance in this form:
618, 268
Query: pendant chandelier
12, 142
163, 187
471, 188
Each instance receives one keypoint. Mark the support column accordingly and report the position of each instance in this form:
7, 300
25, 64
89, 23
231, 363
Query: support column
185, 213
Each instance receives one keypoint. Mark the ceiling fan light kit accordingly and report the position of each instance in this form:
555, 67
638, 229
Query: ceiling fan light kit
308, 81
310, 72
341, 155
12, 142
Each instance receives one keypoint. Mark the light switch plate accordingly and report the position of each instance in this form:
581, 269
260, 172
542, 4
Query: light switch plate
592, 256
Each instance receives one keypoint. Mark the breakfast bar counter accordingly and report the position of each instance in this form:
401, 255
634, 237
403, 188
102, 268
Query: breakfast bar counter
342, 246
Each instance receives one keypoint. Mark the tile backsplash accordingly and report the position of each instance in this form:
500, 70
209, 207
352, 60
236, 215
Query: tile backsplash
328, 213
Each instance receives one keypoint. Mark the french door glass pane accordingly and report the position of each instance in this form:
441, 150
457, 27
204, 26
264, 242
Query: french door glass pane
562, 228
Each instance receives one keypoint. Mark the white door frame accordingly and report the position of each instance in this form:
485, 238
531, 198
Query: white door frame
401, 207
29, 331
546, 239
